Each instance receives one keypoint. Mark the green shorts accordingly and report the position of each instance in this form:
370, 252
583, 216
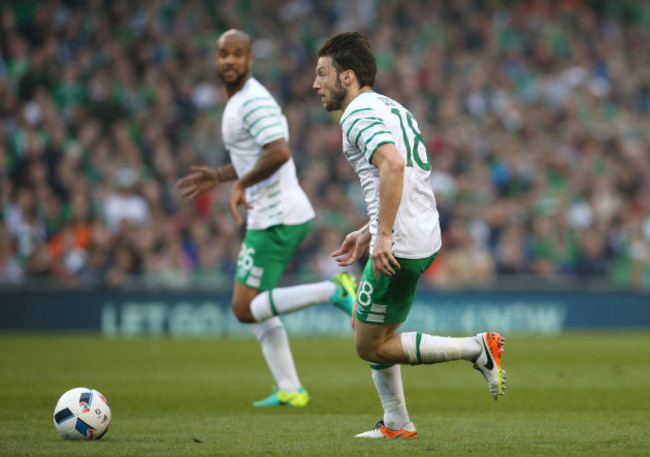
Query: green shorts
265, 254
389, 299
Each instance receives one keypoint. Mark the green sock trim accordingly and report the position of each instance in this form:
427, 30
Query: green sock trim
273, 310
377, 366
418, 338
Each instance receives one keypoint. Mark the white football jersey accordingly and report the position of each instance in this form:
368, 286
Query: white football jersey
369, 121
251, 119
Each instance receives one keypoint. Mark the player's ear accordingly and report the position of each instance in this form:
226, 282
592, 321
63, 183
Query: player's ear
348, 77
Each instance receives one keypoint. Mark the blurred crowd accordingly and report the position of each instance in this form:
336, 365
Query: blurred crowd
536, 116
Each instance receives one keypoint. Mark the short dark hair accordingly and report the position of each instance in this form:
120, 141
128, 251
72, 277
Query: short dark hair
351, 51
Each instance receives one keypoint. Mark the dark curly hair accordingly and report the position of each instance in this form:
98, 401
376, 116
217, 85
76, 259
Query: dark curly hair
351, 51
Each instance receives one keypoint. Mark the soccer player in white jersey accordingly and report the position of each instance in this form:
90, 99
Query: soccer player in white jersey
255, 132
383, 143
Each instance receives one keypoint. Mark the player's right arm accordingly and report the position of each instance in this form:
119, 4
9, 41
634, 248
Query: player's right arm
203, 179
391, 180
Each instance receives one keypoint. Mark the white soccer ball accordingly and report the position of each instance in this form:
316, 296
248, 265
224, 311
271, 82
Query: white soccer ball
82, 413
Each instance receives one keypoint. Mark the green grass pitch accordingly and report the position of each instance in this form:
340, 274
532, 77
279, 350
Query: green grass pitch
579, 394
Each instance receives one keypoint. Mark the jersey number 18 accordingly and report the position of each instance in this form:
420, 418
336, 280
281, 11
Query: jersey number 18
412, 151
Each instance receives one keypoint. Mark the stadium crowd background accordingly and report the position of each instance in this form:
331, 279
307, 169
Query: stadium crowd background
535, 115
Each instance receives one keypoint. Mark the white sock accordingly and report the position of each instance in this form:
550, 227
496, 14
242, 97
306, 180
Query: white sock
286, 300
423, 348
275, 347
388, 381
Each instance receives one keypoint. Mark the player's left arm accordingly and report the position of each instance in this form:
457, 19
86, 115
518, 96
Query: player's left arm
390, 164
353, 247
274, 155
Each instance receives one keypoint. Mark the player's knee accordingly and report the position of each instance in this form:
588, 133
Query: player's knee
369, 353
242, 311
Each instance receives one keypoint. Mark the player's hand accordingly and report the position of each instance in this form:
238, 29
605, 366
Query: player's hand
382, 257
201, 179
353, 247
237, 198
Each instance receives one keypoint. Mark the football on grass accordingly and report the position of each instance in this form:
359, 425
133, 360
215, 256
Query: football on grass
82, 413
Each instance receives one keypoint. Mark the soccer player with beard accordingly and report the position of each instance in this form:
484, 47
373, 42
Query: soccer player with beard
383, 143
255, 132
